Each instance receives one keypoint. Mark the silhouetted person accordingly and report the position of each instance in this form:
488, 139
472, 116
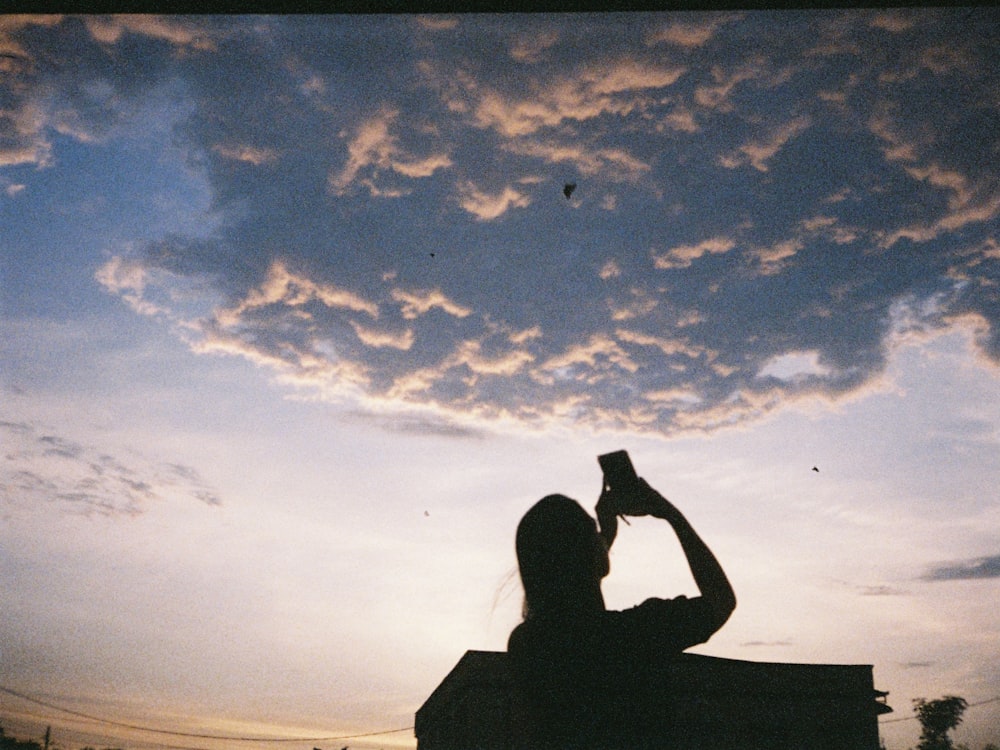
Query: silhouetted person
581, 671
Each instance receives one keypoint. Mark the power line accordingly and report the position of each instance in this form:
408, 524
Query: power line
193, 734
230, 738
994, 699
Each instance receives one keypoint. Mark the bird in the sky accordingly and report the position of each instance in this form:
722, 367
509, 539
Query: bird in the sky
815, 469
568, 189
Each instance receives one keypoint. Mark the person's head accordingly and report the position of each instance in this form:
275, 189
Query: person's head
561, 557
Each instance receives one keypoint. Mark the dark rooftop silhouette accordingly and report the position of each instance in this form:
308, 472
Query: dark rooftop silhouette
703, 703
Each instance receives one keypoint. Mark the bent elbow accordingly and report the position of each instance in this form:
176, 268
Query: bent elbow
723, 609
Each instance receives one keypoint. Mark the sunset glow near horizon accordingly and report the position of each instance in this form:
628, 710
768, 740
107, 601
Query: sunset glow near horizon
297, 322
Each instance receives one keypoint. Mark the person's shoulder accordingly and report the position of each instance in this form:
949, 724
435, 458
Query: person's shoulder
526, 637
654, 612
655, 605
518, 636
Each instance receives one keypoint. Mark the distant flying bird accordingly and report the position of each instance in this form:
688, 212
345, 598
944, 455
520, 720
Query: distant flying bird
568, 189
815, 469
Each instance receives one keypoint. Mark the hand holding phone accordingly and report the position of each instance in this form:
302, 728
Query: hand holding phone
624, 493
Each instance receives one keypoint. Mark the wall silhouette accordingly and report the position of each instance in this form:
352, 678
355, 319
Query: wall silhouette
703, 703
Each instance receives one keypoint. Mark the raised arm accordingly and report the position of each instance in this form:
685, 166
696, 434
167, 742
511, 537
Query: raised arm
708, 575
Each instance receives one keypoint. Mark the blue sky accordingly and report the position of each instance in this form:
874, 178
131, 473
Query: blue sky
297, 322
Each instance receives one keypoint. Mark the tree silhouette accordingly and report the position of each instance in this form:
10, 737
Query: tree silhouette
937, 718
10, 743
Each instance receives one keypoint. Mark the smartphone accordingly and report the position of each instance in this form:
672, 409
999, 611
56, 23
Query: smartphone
619, 474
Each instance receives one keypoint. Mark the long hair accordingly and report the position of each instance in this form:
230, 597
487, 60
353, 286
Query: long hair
561, 557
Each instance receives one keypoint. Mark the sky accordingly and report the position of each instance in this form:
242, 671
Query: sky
296, 322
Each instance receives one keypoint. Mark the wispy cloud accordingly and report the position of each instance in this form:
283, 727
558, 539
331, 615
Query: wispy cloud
415, 303
179, 32
689, 34
373, 149
716, 95
246, 153
759, 151
43, 467
378, 338
531, 47
590, 361
974, 569
881, 590
683, 256
290, 290
610, 88
615, 164
487, 206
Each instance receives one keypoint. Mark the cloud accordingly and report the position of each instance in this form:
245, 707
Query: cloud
531, 47
965, 205
638, 305
974, 569
757, 644
178, 32
310, 364
667, 346
611, 163
419, 302
681, 119
610, 270
759, 151
402, 340
893, 21
683, 256
437, 23
794, 365
128, 278
485, 206
590, 361
881, 590
507, 363
612, 88
43, 467
716, 96
373, 149
761, 208
688, 34
772, 259
24, 141
249, 154
285, 289
418, 424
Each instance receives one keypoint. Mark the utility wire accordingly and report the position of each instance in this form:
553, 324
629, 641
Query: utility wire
193, 734
994, 699
230, 738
